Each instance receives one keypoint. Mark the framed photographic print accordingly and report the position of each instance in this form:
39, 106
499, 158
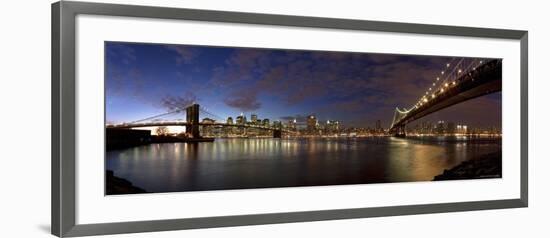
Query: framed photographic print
210, 119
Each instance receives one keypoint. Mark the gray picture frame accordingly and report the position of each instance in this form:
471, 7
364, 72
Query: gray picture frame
63, 136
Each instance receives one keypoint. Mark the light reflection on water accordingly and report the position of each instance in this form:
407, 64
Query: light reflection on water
264, 163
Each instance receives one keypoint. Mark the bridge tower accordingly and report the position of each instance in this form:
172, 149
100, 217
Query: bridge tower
193, 120
400, 131
277, 133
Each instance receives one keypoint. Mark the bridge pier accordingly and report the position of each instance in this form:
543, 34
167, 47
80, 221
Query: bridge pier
400, 131
193, 120
277, 133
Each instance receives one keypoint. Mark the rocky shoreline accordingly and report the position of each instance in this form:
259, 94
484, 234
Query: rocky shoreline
116, 185
486, 166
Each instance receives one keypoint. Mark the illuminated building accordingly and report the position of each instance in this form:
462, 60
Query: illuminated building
332, 127
311, 123
378, 126
292, 124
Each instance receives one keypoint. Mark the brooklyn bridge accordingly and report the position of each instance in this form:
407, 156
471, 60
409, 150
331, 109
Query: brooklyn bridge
192, 124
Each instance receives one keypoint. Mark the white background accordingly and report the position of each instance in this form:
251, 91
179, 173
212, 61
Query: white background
25, 55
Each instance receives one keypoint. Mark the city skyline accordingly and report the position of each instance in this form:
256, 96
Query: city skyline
356, 89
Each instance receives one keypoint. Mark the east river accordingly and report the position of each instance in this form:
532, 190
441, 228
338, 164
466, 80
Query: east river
267, 163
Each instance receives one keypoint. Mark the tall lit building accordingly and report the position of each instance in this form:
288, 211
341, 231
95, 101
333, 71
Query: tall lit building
241, 120
332, 127
311, 123
451, 128
440, 127
265, 122
426, 127
461, 129
277, 124
208, 130
378, 126
254, 119
292, 124
228, 130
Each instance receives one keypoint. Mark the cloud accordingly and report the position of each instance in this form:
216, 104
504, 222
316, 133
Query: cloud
244, 101
120, 52
300, 119
185, 54
178, 102
353, 83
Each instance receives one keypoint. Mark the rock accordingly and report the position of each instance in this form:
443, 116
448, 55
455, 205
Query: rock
116, 185
486, 166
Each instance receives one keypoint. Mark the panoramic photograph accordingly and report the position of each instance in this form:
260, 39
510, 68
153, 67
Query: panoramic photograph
181, 118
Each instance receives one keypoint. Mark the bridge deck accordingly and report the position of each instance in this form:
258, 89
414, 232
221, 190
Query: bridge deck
485, 80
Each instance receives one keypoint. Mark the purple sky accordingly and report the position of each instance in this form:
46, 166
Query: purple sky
143, 80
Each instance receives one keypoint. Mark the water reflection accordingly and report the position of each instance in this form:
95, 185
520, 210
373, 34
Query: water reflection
261, 163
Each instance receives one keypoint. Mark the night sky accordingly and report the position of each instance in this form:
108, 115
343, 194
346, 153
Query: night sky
144, 80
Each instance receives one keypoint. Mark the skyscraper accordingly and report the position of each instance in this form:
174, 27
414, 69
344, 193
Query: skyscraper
311, 123
440, 127
240, 120
208, 130
277, 124
378, 126
292, 124
451, 128
332, 127
228, 130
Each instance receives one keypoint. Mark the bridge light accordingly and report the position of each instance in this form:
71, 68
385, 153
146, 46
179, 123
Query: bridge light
433, 84
454, 83
437, 78
442, 72
429, 89
460, 71
481, 61
433, 95
474, 68
442, 90
446, 84
425, 100
448, 65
